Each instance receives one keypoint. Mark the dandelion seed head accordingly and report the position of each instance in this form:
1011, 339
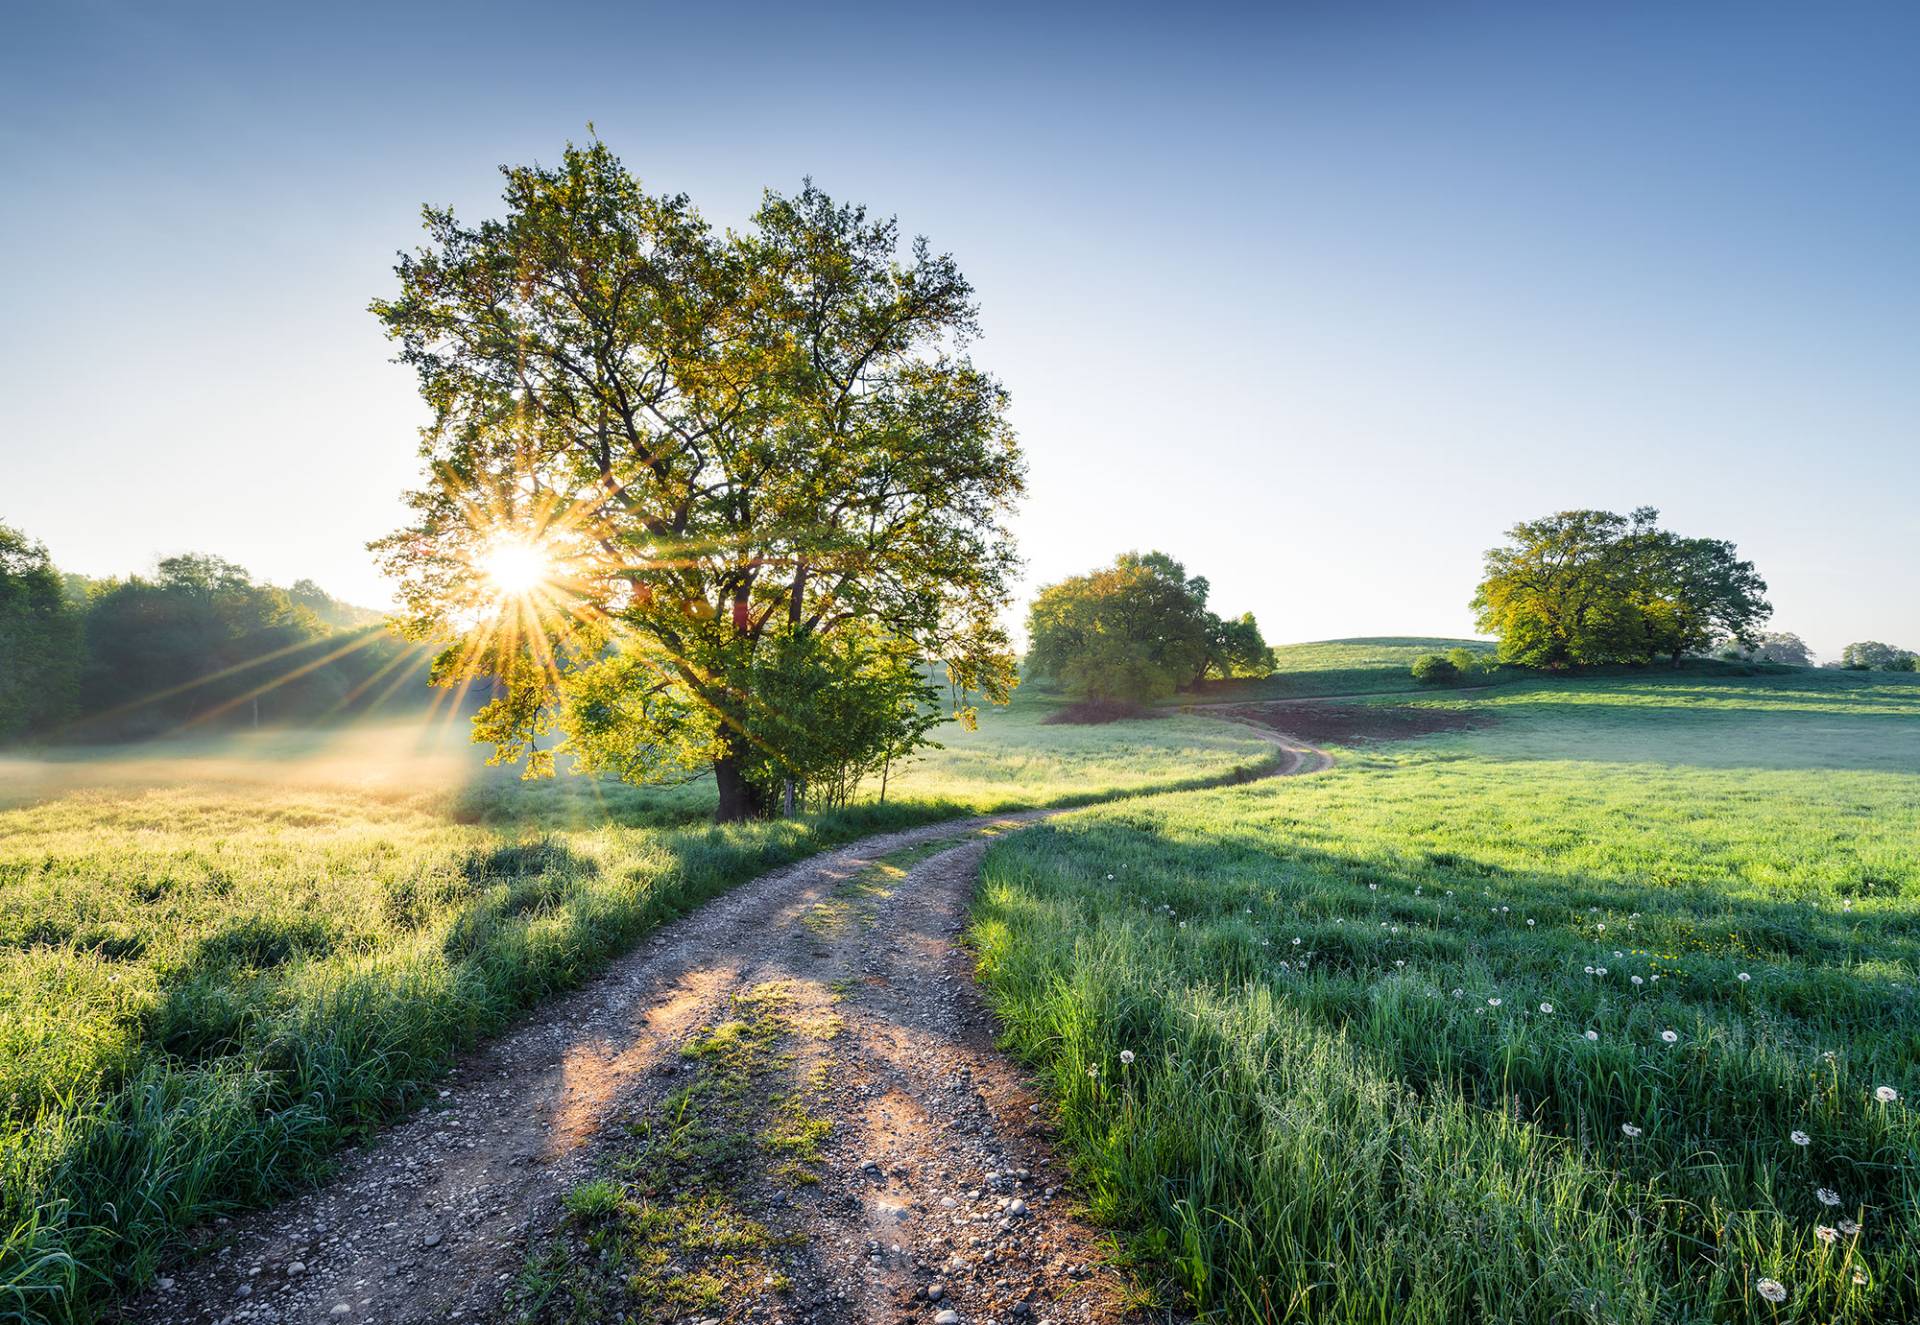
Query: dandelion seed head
1671, 1037
1849, 1226
1546, 1007
1827, 1196
1126, 1057
1826, 1233
1772, 1290
1630, 1131
1799, 1138
1744, 977
1885, 1094
1594, 1036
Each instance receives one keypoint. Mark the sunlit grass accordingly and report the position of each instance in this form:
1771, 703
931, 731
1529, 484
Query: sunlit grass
219, 959
1329, 1117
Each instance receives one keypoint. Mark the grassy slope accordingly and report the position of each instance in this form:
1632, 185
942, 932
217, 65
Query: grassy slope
1314, 1130
1016, 758
217, 965
1373, 665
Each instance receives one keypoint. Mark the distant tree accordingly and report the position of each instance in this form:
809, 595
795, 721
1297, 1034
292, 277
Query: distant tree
709, 443
1587, 587
1436, 669
1871, 655
1137, 630
40, 640
1776, 647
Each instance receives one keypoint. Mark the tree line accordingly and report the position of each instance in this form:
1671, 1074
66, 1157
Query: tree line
196, 644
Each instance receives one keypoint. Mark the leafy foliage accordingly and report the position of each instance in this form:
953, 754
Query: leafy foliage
40, 640
1436, 669
1587, 587
1137, 630
720, 443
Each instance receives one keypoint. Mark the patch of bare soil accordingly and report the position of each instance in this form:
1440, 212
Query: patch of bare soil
786, 1109
1351, 724
1094, 712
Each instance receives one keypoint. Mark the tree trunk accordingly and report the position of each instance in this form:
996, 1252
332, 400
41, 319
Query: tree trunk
739, 798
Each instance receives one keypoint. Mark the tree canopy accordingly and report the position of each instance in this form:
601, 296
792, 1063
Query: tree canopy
726, 455
1137, 630
1587, 587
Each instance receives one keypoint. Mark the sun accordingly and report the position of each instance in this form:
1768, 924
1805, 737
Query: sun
515, 568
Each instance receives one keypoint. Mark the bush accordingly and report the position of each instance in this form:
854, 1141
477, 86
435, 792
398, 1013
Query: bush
1435, 669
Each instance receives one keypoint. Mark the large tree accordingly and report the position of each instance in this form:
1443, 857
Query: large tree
40, 639
1586, 587
691, 450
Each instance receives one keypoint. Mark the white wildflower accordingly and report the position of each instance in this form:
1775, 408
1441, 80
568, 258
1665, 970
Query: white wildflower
1799, 1138
1772, 1290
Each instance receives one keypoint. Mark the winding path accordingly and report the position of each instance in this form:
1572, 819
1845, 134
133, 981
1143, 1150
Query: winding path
935, 1176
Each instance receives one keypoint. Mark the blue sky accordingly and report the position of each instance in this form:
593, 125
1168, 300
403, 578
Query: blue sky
1319, 298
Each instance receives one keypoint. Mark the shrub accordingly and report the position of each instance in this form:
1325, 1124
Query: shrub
1436, 669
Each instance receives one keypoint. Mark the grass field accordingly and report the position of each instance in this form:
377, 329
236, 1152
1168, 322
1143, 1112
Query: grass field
218, 962
1366, 666
1605, 1010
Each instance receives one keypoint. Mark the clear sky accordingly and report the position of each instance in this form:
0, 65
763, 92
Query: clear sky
1318, 297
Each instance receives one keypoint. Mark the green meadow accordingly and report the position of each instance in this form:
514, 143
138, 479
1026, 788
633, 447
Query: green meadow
219, 961
1371, 665
1603, 1010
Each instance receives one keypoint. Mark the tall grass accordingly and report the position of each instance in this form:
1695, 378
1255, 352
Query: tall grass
1328, 1116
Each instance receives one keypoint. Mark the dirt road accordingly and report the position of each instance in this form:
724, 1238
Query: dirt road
798, 1090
